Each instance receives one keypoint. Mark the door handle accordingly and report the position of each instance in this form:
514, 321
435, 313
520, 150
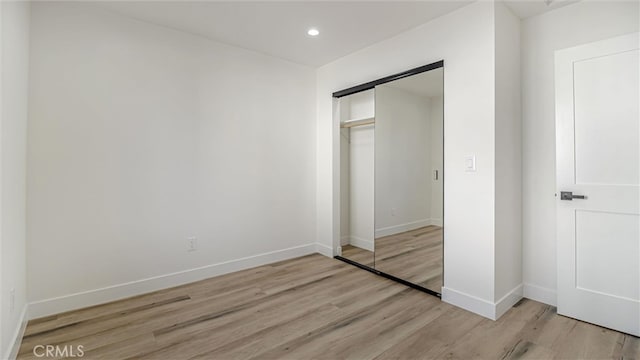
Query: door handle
568, 195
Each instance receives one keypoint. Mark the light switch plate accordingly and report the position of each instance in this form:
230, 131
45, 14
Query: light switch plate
470, 163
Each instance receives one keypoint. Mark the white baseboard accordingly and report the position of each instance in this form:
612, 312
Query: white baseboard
396, 229
468, 302
436, 222
541, 294
361, 243
16, 340
116, 292
506, 302
480, 306
324, 250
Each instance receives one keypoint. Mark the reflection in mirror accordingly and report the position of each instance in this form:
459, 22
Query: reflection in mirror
408, 178
356, 177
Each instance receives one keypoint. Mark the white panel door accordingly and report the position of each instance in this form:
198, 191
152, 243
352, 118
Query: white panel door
598, 157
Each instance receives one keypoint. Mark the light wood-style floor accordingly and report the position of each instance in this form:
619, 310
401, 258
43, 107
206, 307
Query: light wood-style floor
320, 308
415, 256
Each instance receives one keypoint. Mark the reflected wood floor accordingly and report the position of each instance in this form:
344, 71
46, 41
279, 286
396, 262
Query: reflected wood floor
314, 307
414, 255
359, 255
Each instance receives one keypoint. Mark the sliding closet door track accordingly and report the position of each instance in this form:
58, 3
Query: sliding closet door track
390, 277
386, 79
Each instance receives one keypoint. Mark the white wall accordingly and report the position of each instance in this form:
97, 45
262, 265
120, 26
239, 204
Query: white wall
140, 137
572, 25
14, 33
468, 54
402, 161
508, 186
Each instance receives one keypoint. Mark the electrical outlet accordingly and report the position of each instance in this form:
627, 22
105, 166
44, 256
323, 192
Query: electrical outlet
12, 300
192, 244
393, 211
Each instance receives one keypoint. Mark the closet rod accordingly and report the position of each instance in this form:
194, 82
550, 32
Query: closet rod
360, 122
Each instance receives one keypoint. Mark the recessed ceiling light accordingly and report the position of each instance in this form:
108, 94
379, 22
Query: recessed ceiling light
313, 32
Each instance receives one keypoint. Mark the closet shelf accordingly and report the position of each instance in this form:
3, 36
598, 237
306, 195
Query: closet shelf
357, 122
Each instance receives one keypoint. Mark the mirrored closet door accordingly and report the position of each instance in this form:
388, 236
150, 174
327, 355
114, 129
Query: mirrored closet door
408, 178
391, 177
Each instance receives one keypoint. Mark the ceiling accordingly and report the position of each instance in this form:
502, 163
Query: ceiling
279, 28
527, 8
